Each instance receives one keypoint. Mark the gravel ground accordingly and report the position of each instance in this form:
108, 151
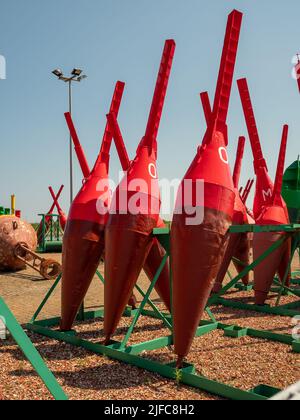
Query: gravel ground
243, 363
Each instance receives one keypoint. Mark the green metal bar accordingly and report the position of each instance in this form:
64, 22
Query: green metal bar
58, 229
155, 309
283, 285
292, 292
44, 233
281, 311
210, 314
143, 304
237, 261
47, 297
230, 275
101, 278
247, 270
151, 303
31, 353
199, 382
81, 314
293, 228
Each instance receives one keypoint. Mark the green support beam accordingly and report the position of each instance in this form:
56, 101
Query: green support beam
131, 354
31, 353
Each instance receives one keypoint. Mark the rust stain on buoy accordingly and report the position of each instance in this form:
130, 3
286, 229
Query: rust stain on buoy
14, 231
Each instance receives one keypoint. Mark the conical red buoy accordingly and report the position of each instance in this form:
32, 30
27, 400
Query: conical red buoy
264, 185
135, 210
83, 242
198, 242
239, 244
47, 218
62, 216
157, 252
269, 206
274, 214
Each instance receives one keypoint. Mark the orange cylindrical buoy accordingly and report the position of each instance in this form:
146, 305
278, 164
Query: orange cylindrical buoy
204, 210
83, 242
135, 211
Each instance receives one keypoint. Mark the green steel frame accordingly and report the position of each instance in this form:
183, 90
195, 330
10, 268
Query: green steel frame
51, 237
30, 352
289, 310
131, 354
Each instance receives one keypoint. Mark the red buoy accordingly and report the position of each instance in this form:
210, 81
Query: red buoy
62, 216
198, 242
157, 252
83, 242
239, 243
135, 211
269, 206
275, 213
264, 185
47, 218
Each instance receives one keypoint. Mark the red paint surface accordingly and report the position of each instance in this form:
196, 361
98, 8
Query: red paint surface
275, 213
129, 237
48, 219
62, 216
83, 243
239, 244
269, 206
197, 251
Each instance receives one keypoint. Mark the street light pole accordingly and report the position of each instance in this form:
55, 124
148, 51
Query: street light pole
71, 146
76, 76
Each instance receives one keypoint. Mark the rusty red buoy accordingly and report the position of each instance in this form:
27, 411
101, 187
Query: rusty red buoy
14, 232
198, 243
269, 206
83, 242
135, 210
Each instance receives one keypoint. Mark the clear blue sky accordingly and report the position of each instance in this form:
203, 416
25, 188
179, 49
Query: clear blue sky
123, 39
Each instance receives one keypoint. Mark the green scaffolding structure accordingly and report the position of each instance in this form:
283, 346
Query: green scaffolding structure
132, 354
289, 310
30, 352
51, 235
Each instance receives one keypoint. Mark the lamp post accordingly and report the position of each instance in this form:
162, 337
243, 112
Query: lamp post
76, 76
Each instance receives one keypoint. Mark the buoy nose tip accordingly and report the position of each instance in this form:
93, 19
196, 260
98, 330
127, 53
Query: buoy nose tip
180, 361
260, 298
107, 340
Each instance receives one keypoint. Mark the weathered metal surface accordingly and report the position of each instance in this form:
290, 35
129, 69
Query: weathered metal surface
48, 269
14, 231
